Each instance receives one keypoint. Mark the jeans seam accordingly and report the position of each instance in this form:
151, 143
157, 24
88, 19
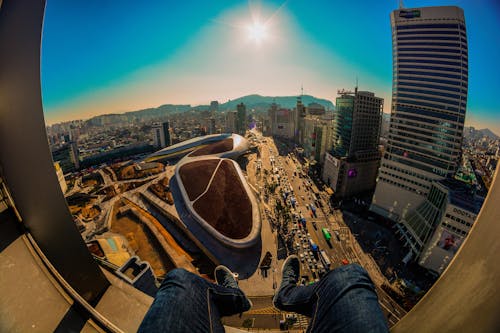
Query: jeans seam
313, 321
209, 313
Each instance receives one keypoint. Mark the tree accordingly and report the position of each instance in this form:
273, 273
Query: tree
247, 323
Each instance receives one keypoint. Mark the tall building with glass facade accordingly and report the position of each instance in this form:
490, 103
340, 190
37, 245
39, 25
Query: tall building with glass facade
429, 97
351, 166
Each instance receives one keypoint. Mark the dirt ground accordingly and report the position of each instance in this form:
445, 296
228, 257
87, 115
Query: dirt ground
142, 242
226, 205
214, 148
196, 175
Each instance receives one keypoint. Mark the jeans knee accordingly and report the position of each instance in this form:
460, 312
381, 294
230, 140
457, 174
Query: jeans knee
181, 275
347, 274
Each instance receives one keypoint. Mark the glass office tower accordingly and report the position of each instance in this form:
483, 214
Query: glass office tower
429, 97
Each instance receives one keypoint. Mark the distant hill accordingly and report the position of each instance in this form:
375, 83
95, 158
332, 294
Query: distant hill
487, 132
477, 134
259, 102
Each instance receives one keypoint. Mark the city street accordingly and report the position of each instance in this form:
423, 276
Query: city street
288, 172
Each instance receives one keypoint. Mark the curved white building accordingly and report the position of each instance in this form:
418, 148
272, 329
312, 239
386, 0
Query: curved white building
239, 145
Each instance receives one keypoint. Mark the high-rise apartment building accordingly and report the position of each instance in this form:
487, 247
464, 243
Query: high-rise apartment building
242, 118
161, 135
60, 177
211, 125
351, 166
300, 117
231, 121
68, 156
316, 109
214, 107
281, 121
430, 77
317, 137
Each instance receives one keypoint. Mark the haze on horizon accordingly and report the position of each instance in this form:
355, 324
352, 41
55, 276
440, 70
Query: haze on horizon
103, 58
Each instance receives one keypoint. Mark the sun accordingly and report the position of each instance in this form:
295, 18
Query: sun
257, 32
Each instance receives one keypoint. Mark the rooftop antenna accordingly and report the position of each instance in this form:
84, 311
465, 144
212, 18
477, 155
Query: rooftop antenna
401, 5
356, 88
301, 93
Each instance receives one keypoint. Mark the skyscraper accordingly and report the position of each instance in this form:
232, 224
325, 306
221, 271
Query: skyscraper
281, 121
242, 117
214, 107
68, 157
231, 121
430, 76
161, 135
300, 115
351, 166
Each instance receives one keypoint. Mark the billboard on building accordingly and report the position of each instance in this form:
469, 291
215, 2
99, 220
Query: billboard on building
449, 242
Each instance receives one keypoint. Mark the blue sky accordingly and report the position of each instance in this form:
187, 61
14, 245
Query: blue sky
103, 56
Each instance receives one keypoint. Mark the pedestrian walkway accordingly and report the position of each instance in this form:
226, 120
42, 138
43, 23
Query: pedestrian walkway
301, 323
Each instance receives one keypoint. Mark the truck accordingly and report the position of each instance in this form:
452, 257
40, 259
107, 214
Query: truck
325, 260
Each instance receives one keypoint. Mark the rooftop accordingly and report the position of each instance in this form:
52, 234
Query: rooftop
214, 148
218, 196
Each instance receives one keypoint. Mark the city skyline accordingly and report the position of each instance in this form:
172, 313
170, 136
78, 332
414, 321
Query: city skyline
132, 58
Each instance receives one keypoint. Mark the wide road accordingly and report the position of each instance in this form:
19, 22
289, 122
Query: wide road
337, 250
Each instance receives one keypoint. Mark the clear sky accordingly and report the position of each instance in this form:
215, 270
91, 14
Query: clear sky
116, 56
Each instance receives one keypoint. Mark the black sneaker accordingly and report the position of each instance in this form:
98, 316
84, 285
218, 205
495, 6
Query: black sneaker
290, 274
290, 270
225, 277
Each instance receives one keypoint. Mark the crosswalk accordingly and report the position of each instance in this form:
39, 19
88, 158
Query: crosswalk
301, 323
270, 310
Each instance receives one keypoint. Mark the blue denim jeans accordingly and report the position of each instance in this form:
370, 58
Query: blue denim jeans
187, 302
344, 300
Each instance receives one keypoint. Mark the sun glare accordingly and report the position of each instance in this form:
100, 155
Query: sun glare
257, 32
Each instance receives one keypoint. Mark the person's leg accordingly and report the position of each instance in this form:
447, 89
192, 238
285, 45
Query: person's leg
290, 297
188, 303
346, 301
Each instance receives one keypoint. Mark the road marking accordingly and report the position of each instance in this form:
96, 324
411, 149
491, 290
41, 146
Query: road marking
264, 311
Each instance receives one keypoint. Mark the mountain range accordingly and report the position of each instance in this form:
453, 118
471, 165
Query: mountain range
477, 134
256, 102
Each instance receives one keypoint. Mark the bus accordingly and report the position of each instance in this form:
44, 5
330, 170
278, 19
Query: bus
326, 234
325, 260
